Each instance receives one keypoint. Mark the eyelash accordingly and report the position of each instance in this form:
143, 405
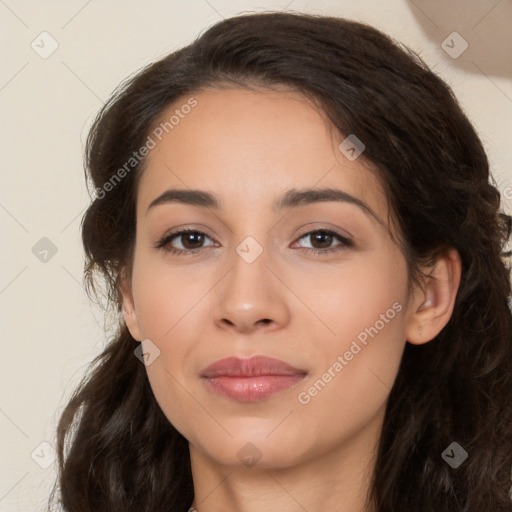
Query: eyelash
163, 244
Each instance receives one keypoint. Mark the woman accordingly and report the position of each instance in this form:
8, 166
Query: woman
294, 216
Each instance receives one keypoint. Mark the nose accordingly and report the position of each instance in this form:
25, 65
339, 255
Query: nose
252, 297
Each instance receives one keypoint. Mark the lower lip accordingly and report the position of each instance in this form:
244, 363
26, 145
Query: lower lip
252, 389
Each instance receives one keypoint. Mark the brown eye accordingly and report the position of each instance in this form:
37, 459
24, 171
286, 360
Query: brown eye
321, 241
184, 241
191, 240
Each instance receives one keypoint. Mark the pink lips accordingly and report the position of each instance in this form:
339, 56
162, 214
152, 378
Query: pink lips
250, 380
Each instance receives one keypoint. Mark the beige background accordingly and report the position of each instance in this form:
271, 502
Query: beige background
49, 330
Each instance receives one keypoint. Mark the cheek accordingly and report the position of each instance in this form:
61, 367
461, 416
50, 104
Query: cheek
359, 360
352, 389
166, 298
346, 300
168, 304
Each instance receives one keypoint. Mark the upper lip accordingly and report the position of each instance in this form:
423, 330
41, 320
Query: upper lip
253, 367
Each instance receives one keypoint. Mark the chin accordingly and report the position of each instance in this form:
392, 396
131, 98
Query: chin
253, 447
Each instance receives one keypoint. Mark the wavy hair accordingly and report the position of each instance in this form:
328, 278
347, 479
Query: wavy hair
116, 449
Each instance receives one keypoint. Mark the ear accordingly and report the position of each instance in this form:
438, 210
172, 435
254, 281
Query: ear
432, 305
129, 313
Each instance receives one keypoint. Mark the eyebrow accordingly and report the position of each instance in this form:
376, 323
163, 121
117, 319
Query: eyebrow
292, 198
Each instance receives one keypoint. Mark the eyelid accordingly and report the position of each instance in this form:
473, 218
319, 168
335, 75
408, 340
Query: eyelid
200, 228
324, 226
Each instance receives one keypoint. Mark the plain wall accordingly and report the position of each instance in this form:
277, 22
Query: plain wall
50, 331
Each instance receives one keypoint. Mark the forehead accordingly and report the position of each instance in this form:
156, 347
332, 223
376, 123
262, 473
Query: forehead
249, 146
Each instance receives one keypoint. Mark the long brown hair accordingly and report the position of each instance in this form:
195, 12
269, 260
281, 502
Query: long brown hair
118, 452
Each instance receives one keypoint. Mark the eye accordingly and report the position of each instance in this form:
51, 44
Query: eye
191, 241
323, 239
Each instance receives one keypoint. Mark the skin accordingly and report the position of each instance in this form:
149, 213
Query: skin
249, 147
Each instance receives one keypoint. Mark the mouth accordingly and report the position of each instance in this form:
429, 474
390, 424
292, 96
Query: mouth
251, 380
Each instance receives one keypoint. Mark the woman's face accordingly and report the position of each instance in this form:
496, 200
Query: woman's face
314, 281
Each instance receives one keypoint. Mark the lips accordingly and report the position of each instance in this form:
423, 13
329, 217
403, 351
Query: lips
250, 380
